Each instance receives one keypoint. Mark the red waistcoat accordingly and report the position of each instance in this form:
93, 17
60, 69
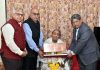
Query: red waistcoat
19, 39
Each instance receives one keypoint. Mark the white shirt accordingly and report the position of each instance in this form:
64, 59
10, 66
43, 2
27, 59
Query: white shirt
8, 33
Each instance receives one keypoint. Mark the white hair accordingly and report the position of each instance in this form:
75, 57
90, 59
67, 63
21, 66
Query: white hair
17, 8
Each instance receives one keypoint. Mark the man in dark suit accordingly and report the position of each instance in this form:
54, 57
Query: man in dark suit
83, 44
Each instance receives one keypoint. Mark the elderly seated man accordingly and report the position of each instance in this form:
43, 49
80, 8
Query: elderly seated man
54, 63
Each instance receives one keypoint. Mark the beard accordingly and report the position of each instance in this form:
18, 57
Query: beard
54, 41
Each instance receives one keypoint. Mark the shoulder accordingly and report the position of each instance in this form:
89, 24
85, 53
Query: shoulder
49, 40
7, 26
84, 27
60, 41
25, 24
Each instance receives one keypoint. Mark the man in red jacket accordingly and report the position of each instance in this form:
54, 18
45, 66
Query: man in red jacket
13, 41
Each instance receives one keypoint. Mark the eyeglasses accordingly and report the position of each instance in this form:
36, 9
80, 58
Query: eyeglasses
35, 13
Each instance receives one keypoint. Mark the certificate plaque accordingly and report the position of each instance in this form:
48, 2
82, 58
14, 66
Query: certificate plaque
55, 49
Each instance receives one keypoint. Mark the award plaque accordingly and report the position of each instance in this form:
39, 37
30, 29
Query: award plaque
55, 49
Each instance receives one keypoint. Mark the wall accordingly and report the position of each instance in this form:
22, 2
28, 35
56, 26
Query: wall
2, 21
2, 17
56, 13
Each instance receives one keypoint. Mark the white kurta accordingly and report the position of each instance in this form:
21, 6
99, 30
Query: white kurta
45, 61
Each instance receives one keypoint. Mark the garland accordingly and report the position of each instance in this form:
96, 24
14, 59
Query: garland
53, 66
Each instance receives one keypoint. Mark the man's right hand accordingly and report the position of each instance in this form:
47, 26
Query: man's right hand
24, 53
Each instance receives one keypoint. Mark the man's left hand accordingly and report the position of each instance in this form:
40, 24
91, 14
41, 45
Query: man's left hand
69, 55
40, 53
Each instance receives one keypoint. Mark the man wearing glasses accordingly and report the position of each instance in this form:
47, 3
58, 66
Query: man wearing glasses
13, 41
34, 40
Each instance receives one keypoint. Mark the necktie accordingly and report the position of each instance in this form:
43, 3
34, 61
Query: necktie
76, 33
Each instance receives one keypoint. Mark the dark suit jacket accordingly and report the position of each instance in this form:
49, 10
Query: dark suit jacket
86, 46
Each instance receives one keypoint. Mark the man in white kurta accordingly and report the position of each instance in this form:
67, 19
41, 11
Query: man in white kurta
54, 39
